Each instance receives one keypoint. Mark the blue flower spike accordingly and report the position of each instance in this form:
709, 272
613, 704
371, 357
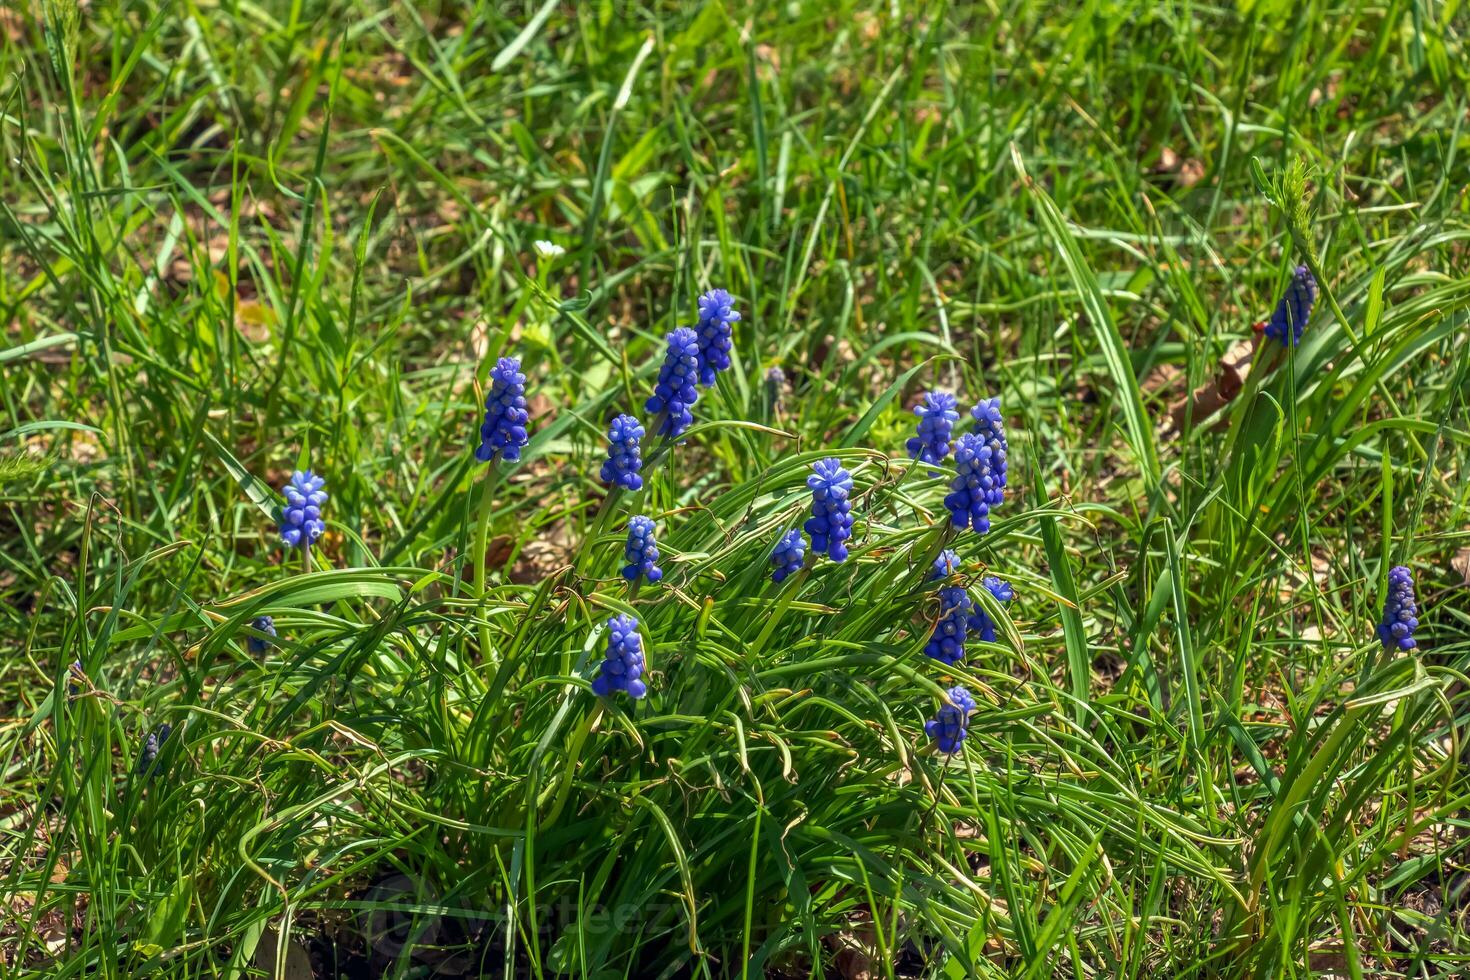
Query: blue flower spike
981, 625
944, 566
947, 644
1293, 309
301, 518
716, 318
951, 723
788, 555
624, 454
990, 426
259, 645
1400, 611
622, 665
937, 416
641, 551
148, 755
674, 393
503, 432
831, 521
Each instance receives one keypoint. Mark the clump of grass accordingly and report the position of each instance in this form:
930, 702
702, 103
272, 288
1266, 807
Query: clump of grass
235, 244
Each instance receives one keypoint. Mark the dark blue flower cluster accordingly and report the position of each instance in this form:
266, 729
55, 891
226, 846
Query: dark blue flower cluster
301, 518
1400, 611
981, 625
947, 645
641, 551
788, 555
951, 723
716, 317
259, 644
1293, 309
978, 484
937, 416
503, 432
944, 566
674, 393
148, 755
622, 665
624, 455
831, 521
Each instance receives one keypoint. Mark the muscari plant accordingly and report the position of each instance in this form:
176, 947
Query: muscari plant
978, 485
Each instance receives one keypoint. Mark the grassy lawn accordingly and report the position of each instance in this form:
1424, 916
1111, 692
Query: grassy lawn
239, 240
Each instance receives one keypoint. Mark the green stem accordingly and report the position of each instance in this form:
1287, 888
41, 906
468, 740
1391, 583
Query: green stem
788, 594
574, 755
481, 545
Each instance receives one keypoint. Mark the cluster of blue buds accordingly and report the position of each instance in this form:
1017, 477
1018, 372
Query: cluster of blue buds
716, 317
982, 625
641, 551
624, 455
775, 384
990, 426
978, 484
674, 392
788, 555
148, 755
1293, 309
947, 645
831, 521
301, 518
951, 723
258, 645
1400, 611
937, 416
622, 666
503, 432
944, 566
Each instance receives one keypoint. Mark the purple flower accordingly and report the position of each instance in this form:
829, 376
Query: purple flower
990, 426
622, 665
831, 521
716, 316
944, 566
947, 644
937, 416
982, 625
951, 723
257, 644
1293, 309
301, 518
1400, 611
504, 430
787, 555
674, 392
624, 456
641, 551
977, 485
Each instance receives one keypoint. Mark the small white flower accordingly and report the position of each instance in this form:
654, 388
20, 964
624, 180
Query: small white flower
548, 250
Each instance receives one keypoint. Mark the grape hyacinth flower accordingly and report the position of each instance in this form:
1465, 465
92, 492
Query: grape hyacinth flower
947, 645
622, 666
937, 416
788, 555
991, 427
775, 384
831, 521
1400, 611
624, 456
641, 551
951, 723
301, 518
944, 566
1293, 309
503, 432
77, 674
258, 645
716, 317
148, 756
981, 624
977, 486
674, 393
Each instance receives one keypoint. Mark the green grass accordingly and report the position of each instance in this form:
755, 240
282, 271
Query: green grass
240, 237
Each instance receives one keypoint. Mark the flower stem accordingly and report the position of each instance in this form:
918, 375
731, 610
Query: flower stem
481, 545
